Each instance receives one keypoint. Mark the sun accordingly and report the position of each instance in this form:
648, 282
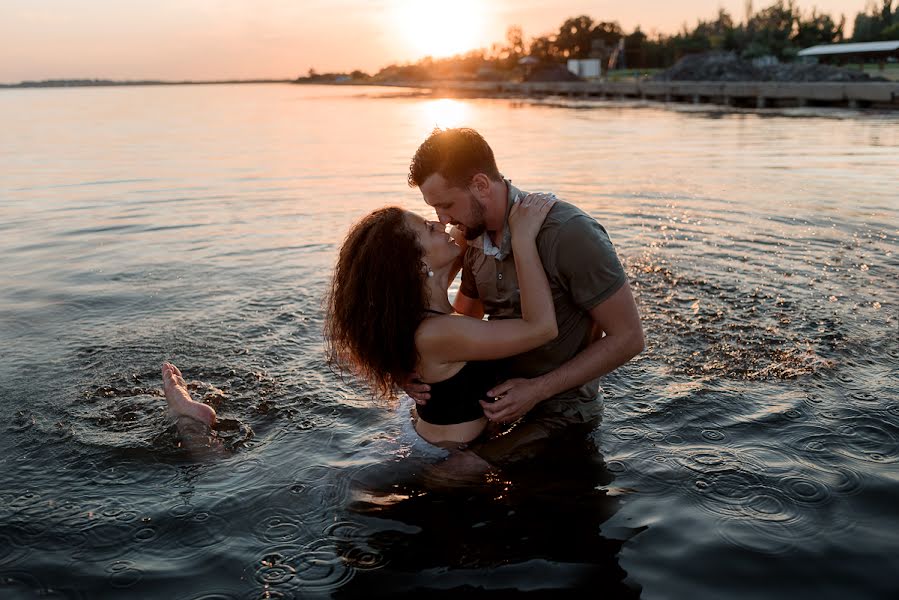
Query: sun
440, 28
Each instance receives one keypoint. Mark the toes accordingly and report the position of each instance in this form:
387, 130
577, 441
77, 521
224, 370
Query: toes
175, 370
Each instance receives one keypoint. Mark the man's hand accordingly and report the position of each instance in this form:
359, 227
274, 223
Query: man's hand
416, 390
516, 398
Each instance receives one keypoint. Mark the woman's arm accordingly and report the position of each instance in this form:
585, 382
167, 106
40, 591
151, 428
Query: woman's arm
459, 338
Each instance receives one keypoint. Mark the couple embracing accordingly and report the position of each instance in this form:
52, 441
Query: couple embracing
560, 312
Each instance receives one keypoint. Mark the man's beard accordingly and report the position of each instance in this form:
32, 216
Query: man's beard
476, 214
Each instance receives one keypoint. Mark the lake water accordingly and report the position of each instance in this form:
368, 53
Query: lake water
751, 451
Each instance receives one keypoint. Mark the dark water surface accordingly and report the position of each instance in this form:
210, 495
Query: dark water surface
751, 452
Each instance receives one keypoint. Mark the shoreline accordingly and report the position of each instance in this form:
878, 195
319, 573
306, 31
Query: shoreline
737, 94
731, 94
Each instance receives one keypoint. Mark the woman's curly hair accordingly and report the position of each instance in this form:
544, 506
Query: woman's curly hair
376, 301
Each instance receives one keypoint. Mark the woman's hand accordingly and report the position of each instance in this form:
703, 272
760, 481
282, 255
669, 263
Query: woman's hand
528, 214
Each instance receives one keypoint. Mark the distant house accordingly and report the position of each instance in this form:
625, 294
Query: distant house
586, 68
842, 53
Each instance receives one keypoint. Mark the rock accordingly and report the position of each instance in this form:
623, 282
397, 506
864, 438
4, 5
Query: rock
726, 66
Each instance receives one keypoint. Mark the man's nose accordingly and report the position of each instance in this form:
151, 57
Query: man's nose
443, 218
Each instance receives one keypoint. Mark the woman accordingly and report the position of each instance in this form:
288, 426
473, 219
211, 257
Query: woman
389, 315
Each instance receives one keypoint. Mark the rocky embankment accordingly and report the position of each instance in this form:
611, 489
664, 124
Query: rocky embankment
727, 66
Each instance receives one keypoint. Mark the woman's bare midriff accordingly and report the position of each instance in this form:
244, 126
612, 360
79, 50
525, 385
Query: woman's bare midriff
457, 433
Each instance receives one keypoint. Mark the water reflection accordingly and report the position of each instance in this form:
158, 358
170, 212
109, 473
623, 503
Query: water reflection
444, 113
531, 526
199, 225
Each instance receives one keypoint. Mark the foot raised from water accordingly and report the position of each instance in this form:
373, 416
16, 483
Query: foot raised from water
178, 398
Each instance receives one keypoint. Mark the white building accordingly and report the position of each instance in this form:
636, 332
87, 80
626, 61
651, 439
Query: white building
588, 68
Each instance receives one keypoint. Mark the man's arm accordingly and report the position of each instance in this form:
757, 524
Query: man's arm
617, 316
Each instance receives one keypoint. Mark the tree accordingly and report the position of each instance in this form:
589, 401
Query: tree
544, 48
818, 29
771, 31
575, 39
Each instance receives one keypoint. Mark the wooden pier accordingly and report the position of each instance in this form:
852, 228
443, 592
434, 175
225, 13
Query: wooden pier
751, 94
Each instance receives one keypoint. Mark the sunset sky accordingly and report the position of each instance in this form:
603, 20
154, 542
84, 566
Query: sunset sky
240, 39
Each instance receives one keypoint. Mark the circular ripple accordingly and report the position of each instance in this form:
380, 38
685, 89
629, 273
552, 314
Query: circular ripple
647, 474
278, 526
628, 433
713, 435
268, 593
641, 407
123, 574
273, 570
363, 558
726, 494
616, 466
144, 534
213, 596
710, 460
181, 510
868, 439
863, 396
767, 506
203, 530
805, 491
764, 540
320, 567
105, 541
355, 550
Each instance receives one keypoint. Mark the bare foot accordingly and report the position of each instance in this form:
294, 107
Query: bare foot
178, 398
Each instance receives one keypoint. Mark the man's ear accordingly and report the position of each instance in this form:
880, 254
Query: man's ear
480, 185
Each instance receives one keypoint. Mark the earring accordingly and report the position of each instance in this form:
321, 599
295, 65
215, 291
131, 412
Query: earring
428, 270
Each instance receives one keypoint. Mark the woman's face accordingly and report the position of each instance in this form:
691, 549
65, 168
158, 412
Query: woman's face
438, 246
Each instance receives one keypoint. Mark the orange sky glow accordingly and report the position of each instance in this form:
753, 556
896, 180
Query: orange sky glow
243, 39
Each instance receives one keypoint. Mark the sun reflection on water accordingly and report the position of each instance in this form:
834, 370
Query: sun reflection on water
444, 112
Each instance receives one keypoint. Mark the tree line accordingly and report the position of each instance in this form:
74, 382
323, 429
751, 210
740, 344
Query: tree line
779, 30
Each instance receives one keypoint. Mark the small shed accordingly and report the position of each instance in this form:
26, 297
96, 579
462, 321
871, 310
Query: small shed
862, 52
587, 68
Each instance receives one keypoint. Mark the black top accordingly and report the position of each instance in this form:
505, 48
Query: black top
455, 400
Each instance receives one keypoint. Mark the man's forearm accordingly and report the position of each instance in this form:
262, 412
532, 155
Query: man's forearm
603, 355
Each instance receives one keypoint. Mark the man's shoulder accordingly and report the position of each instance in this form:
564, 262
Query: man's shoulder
563, 212
566, 219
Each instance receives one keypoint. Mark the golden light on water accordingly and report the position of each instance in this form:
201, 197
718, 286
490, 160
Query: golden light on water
445, 112
440, 29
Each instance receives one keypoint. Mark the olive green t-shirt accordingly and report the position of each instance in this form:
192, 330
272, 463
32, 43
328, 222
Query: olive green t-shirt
582, 268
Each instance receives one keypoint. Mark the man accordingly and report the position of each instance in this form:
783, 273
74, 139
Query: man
555, 387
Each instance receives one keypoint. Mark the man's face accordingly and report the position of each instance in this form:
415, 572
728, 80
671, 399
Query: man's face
453, 205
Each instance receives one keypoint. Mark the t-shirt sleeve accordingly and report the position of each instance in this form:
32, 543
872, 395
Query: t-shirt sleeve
468, 286
586, 262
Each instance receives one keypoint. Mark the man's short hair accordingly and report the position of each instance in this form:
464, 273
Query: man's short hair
456, 154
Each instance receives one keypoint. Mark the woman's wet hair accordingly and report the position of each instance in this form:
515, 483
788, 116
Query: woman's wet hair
456, 154
376, 301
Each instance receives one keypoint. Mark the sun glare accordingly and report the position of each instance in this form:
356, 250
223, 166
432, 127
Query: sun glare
444, 113
440, 28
